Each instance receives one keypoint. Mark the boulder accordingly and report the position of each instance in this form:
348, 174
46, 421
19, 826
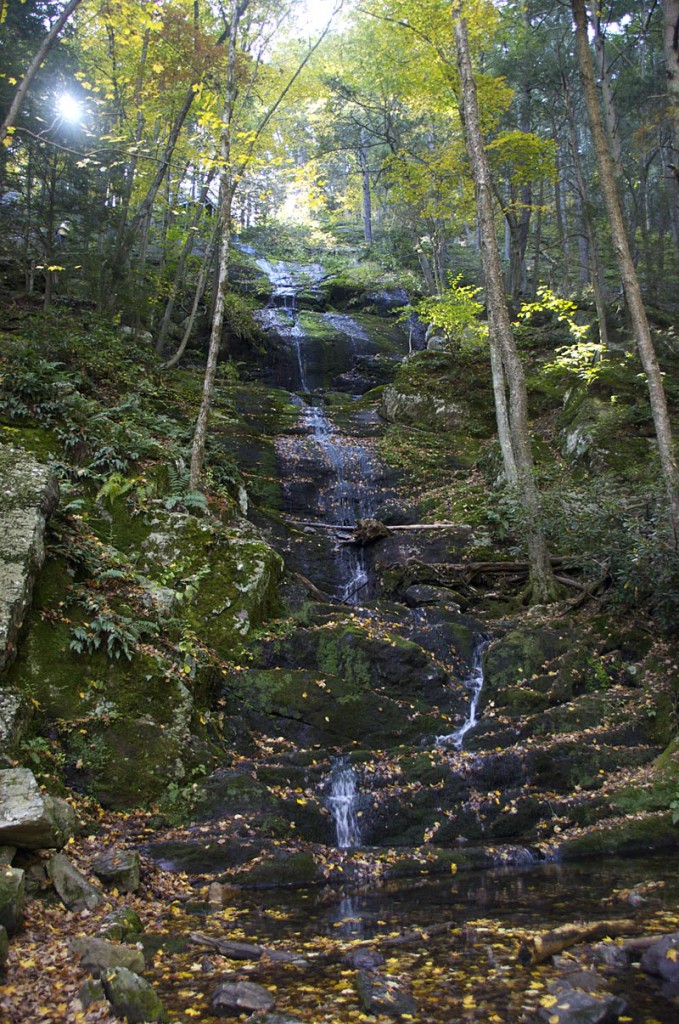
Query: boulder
99, 956
74, 890
380, 993
239, 997
573, 1006
119, 868
131, 997
662, 959
28, 494
364, 959
420, 410
11, 898
30, 818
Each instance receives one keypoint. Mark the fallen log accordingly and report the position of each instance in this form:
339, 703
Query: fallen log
238, 950
540, 947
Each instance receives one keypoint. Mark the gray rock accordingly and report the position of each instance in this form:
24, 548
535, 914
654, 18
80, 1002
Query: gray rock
4, 947
662, 958
611, 956
131, 997
30, 818
28, 494
379, 993
423, 594
11, 898
239, 997
119, 868
364, 959
576, 1007
99, 956
420, 410
278, 1018
7, 855
120, 924
74, 890
91, 991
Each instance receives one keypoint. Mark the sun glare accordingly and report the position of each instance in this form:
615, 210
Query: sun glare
69, 108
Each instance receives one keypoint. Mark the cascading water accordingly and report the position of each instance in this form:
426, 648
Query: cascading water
474, 684
343, 802
348, 495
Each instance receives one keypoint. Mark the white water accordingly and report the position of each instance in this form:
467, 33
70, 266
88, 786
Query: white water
473, 683
343, 804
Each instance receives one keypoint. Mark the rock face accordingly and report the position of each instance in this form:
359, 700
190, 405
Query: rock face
30, 818
28, 494
75, 891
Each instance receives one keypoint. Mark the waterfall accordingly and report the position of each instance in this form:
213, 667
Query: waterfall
343, 803
474, 684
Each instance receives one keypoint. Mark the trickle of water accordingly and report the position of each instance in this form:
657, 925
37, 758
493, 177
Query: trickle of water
473, 683
342, 801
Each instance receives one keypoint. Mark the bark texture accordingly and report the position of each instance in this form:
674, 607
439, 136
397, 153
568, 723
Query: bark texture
512, 416
630, 281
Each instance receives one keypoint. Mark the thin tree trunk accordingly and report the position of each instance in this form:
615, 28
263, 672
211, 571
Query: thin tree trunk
34, 66
598, 286
628, 273
671, 47
198, 295
189, 242
543, 585
538, 242
367, 204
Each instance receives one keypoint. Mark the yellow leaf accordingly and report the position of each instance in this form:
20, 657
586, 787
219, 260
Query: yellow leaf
672, 954
468, 1002
548, 1001
12, 80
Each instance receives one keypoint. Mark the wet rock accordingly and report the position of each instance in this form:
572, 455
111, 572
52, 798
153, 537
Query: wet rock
586, 981
120, 924
119, 868
278, 1018
30, 818
131, 997
74, 890
11, 898
28, 494
240, 997
387, 300
378, 993
281, 870
99, 956
573, 1006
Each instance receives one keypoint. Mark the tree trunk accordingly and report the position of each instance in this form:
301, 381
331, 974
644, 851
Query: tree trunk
227, 188
198, 295
628, 273
543, 585
34, 66
367, 205
671, 41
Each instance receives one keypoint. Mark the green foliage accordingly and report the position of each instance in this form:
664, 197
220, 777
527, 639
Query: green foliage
456, 312
109, 631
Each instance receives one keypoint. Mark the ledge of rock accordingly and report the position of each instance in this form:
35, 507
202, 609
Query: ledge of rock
28, 495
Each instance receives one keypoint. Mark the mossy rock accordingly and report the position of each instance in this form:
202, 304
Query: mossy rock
310, 707
284, 870
643, 835
519, 655
232, 572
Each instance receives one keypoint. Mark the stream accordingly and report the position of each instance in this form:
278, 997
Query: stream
331, 476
